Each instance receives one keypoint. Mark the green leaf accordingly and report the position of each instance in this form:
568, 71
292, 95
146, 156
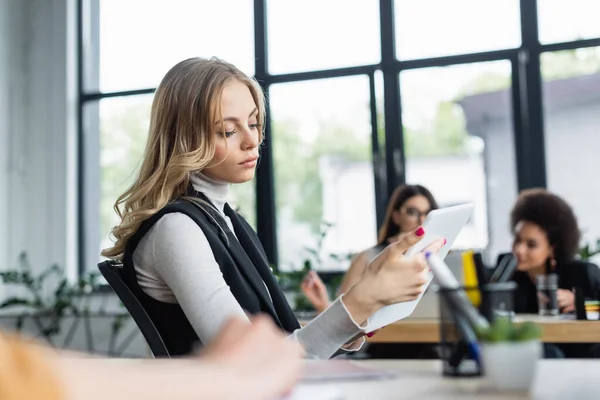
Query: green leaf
527, 331
16, 301
307, 266
504, 330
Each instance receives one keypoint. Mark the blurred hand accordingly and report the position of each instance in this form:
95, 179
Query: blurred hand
256, 359
566, 300
315, 291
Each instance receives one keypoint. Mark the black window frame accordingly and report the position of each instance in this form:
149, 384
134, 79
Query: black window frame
388, 165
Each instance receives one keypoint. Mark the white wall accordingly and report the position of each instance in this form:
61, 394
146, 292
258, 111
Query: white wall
37, 128
573, 162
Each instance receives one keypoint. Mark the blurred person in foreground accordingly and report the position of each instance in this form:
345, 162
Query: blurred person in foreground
249, 361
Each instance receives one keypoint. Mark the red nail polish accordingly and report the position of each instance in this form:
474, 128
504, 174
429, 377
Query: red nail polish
371, 334
444, 241
419, 232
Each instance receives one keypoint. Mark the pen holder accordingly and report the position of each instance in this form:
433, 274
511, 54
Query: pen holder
454, 349
455, 352
497, 299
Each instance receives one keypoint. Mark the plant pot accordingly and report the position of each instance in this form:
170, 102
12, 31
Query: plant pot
510, 365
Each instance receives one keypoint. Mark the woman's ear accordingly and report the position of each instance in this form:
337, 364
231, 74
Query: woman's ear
551, 258
396, 217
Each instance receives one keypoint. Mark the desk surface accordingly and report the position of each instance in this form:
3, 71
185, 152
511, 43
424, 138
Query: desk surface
423, 380
554, 330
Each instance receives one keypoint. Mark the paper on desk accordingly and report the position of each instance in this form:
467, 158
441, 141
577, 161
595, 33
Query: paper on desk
340, 370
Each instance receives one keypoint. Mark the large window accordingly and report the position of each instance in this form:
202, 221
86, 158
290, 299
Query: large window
434, 28
459, 144
563, 21
572, 116
361, 97
140, 39
315, 34
323, 169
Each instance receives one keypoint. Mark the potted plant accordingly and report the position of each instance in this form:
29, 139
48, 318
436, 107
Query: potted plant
587, 251
509, 353
48, 298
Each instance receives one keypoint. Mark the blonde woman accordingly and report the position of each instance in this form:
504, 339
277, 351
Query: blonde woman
191, 259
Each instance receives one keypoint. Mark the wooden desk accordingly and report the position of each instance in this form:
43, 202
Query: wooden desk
554, 330
423, 380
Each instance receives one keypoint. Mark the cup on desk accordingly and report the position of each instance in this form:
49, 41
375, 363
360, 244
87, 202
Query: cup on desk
592, 309
547, 286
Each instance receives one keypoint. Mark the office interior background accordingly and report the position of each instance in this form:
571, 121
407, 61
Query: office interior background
475, 100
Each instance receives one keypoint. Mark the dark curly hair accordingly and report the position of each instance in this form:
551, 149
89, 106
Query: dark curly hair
554, 216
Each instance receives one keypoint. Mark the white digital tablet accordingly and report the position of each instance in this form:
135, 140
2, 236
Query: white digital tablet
441, 223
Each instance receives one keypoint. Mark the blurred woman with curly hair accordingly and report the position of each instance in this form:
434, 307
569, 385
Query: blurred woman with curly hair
546, 238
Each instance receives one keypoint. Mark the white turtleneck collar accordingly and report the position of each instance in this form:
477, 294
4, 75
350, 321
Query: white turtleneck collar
214, 189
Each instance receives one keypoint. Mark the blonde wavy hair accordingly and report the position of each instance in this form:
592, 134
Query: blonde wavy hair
181, 140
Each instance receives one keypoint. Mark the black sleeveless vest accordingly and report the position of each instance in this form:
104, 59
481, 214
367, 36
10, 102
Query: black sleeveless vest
242, 261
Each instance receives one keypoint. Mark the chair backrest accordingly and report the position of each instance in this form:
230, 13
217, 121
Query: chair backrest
113, 273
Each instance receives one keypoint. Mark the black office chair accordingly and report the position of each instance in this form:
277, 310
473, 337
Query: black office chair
113, 273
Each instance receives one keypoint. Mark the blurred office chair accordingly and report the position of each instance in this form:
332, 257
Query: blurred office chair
113, 273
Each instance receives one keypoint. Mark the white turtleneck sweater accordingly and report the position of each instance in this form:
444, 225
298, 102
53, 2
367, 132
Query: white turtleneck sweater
175, 264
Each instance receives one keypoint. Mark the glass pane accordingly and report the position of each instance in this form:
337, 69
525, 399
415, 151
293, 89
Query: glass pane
315, 35
563, 21
323, 170
571, 88
435, 28
124, 123
141, 40
459, 144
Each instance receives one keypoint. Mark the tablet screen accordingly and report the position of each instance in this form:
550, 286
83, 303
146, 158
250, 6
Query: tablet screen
442, 223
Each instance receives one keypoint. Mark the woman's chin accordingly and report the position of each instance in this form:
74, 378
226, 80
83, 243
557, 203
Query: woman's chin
523, 267
244, 177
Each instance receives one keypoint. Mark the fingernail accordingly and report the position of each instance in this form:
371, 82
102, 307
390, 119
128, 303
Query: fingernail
444, 241
427, 254
420, 231
371, 334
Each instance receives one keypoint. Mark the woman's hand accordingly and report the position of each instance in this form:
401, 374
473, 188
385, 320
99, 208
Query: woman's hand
256, 358
390, 278
315, 291
566, 300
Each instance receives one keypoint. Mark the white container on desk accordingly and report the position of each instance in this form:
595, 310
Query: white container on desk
510, 365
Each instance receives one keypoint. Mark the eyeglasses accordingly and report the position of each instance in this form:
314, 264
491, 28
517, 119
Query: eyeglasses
415, 213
